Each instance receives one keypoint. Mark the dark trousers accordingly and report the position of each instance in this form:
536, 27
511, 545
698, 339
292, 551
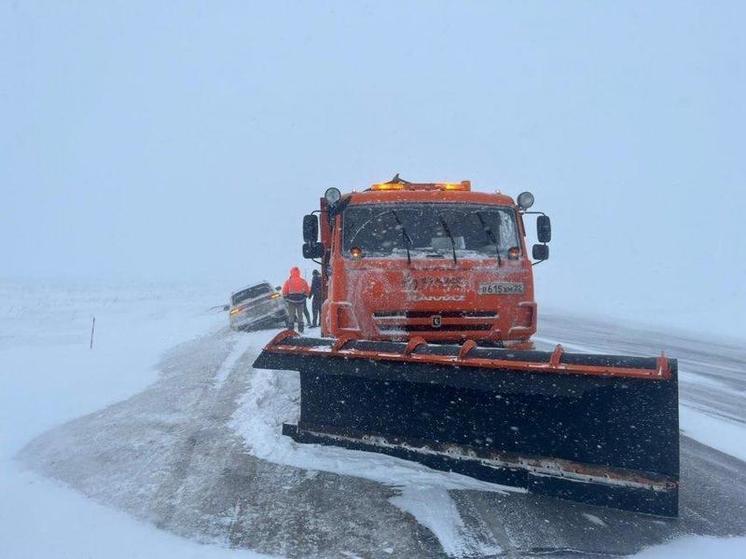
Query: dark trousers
316, 310
305, 312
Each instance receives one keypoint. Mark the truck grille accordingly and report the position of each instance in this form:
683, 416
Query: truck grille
431, 328
428, 314
423, 321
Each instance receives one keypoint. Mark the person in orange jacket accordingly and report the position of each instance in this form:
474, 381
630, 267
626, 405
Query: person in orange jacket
295, 291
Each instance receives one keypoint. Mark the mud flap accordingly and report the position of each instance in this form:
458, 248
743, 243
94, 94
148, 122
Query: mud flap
597, 429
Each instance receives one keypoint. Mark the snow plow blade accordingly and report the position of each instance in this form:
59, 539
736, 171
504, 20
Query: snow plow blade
598, 429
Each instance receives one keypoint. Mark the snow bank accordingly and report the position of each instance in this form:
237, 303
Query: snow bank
718, 433
697, 546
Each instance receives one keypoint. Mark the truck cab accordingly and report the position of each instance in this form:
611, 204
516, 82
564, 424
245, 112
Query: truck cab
435, 261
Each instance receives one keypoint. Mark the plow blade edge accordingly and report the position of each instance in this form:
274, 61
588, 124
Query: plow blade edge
598, 429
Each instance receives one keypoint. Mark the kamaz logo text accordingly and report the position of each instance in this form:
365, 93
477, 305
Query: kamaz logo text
446, 284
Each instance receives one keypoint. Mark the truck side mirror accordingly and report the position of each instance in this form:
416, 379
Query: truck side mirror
313, 250
540, 252
310, 228
544, 229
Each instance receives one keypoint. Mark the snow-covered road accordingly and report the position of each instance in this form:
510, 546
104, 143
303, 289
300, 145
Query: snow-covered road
195, 450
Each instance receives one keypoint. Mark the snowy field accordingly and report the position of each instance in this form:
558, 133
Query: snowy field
48, 375
162, 441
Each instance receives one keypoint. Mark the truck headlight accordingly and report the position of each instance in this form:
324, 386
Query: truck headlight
525, 200
332, 195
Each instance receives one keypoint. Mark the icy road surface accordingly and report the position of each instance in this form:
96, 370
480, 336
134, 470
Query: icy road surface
198, 453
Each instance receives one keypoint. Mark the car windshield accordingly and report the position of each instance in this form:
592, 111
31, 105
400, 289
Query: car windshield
250, 293
387, 230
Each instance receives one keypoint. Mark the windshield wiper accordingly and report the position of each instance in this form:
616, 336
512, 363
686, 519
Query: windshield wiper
405, 235
491, 235
447, 229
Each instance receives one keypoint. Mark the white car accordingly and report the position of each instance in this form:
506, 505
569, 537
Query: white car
256, 307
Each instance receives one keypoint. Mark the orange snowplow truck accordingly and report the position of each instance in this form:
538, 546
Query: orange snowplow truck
436, 261
426, 354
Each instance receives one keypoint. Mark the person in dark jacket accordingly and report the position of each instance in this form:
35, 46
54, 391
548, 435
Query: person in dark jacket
317, 298
295, 291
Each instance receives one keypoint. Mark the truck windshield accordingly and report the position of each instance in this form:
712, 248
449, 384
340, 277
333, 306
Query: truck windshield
478, 231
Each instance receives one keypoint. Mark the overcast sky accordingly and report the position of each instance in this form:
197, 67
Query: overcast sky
161, 141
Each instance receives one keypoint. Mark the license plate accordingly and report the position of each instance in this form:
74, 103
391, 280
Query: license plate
500, 288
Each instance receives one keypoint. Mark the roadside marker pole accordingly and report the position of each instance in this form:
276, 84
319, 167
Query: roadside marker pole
93, 326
